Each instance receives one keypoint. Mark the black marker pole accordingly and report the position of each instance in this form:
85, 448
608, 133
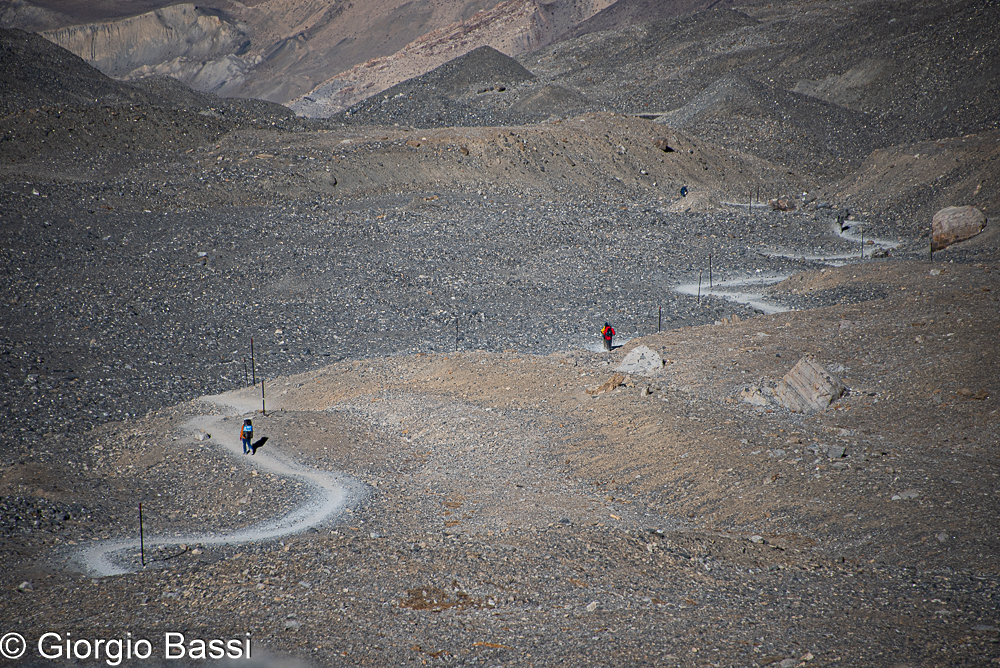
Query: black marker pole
142, 540
263, 405
253, 366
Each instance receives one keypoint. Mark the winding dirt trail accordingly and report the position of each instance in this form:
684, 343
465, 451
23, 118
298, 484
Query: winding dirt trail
330, 493
760, 301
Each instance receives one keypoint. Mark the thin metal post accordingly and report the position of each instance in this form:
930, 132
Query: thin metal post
253, 365
246, 374
659, 320
263, 404
699, 285
142, 539
709, 271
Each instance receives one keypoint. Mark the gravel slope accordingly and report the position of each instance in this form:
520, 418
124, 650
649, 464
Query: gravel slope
510, 516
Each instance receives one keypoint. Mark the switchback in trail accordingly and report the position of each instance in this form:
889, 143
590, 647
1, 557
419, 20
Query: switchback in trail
330, 493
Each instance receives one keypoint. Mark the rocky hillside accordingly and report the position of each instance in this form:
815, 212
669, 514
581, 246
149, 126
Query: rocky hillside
424, 305
279, 50
194, 45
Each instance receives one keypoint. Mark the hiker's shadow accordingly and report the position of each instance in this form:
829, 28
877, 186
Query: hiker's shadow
258, 444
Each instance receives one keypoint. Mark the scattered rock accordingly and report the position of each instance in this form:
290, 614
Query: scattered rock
905, 495
808, 388
942, 537
25, 586
661, 143
641, 360
758, 539
966, 393
782, 204
610, 384
592, 606
836, 451
753, 396
955, 223
201, 435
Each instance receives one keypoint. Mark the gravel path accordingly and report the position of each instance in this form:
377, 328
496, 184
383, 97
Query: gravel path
424, 305
329, 494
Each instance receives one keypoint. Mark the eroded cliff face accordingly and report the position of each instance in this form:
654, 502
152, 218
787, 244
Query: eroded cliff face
200, 47
513, 27
342, 51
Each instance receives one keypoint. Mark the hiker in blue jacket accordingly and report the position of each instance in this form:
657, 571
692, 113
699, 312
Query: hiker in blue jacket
246, 435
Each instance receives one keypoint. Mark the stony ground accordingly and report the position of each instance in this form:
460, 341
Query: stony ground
514, 517
424, 306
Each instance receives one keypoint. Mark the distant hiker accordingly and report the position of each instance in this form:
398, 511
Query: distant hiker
246, 435
608, 332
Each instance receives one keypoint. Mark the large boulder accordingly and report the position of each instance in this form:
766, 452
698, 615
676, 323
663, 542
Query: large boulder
955, 223
808, 388
642, 361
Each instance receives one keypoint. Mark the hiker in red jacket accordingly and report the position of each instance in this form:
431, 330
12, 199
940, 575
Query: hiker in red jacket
608, 333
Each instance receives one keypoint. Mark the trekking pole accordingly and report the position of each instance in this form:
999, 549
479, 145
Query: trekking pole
142, 540
253, 366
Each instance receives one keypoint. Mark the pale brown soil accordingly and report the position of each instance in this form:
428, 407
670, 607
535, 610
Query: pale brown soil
504, 499
509, 516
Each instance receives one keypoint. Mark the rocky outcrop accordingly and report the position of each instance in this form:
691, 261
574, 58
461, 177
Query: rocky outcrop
181, 40
955, 223
641, 360
615, 381
808, 388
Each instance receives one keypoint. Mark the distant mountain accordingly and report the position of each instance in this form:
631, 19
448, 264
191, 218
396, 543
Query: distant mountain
52, 102
280, 50
514, 27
